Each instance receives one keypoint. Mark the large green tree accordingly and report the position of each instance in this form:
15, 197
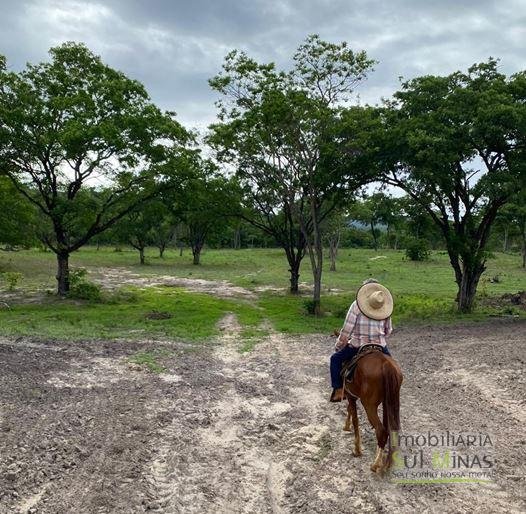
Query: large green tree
279, 129
73, 123
456, 145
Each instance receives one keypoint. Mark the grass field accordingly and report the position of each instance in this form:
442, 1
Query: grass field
423, 291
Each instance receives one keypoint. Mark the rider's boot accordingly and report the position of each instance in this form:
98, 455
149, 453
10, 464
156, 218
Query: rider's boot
337, 394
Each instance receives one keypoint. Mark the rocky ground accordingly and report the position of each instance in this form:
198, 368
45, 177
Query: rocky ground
83, 430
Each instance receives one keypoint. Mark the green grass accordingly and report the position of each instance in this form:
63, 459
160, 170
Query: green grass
149, 360
268, 267
193, 317
423, 291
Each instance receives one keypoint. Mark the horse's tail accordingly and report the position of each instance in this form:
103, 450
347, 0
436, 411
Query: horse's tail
391, 403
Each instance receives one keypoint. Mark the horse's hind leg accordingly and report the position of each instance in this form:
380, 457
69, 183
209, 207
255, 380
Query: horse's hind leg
381, 435
352, 413
357, 439
347, 426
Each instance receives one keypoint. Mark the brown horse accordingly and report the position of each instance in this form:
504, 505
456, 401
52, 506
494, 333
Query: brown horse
377, 380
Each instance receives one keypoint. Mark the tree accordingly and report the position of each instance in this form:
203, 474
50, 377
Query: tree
514, 213
418, 223
143, 226
332, 228
277, 217
367, 213
503, 223
204, 206
279, 129
163, 231
390, 214
72, 123
456, 145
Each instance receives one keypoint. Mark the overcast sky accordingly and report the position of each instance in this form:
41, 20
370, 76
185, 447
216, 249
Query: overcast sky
175, 46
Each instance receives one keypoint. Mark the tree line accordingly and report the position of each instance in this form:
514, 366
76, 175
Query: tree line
86, 156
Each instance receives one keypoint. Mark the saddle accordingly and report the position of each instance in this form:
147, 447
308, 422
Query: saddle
349, 367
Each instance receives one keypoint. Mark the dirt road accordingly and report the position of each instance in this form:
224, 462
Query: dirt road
84, 431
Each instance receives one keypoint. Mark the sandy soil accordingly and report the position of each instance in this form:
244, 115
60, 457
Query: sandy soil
84, 431
113, 278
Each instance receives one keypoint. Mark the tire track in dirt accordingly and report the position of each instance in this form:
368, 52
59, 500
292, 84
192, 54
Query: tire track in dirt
229, 471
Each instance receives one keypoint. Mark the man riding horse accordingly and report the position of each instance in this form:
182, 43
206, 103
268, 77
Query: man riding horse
368, 322
377, 376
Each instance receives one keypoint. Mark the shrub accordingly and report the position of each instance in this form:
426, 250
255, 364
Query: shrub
12, 278
85, 291
81, 289
309, 306
417, 250
76, 276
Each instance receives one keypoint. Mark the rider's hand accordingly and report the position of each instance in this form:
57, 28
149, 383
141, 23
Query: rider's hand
341, 343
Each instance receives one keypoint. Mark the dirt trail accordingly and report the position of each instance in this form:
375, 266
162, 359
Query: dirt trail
225, 432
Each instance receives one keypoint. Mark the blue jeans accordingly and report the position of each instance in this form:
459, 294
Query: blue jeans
337, 360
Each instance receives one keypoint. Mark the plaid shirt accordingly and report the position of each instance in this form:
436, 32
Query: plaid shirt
358, 329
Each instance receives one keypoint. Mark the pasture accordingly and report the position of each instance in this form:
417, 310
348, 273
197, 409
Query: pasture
205, 388
251, 283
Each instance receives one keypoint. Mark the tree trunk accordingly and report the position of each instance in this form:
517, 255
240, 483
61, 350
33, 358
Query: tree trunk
524, 245
63, 273
332, 255
316, 295
505, 245
196, 251
334, 245
162, 248
375, 240
294, 258
237, 239
468, 288
455, 264
315, 249
294, 269
294, 277
141, 255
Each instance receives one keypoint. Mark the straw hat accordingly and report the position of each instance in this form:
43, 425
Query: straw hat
375, 301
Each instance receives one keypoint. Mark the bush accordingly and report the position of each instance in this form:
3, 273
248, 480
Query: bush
417, 250
81, 289
76, 276
85, 291
12, 278
309, 306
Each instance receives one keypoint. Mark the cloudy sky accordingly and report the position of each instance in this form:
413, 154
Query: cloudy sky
174, 46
